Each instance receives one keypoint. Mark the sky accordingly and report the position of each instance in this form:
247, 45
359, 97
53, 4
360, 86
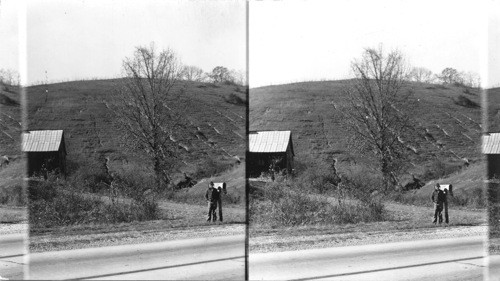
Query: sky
493, 57
77, 39
289, 41
9, 54
293, 41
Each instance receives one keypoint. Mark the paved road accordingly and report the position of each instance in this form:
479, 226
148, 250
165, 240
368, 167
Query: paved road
12, 257
202, 258
438, 259
494, 268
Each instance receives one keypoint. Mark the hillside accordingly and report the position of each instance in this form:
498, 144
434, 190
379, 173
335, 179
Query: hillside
10, 122
81, 109
446, 131
493, 98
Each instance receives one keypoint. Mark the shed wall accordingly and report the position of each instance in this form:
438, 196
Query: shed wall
493, 163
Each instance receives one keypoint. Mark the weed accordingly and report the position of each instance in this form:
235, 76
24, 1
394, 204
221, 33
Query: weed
295, 202
57, 202
13, 195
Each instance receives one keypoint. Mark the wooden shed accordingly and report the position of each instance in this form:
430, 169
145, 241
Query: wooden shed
45, 151
491, 150
268, 147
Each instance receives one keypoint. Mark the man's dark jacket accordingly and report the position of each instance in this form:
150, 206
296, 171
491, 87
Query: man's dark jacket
438, 196
212, 195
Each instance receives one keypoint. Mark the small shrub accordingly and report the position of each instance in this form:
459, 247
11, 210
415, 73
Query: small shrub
133, 181
235, 99
288, 204
90, 177
5, 100
466, 102
56, 202
13, 195
318, 179
439, 169
210, 167
474, 197
468, 91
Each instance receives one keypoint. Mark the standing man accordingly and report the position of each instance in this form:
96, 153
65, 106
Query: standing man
447, 192
212, 197
438, 198
219, 202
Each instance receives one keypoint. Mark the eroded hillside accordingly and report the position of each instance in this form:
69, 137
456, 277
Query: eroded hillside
10, 122
445, 129
82, 109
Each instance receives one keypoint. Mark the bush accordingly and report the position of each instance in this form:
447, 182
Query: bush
474, 197
133, 181
289, 203
211, 168
13, 195
39, 189
89, 176
59, 203
466, 102
235, 99
318, 179
439, 169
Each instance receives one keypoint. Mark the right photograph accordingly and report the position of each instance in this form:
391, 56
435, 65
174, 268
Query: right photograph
365, 128
491, 141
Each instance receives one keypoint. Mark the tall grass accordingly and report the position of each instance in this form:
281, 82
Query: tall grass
59, 202
313, 198
11, 184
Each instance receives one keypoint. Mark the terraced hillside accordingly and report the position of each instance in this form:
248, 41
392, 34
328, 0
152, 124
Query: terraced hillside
445, 130
10, 122
81, 109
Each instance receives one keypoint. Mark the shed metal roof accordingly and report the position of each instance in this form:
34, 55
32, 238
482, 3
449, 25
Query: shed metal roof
42, 141
269, 141
491, 143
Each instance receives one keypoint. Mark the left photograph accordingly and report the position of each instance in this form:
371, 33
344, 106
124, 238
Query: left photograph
13, 202
135, 139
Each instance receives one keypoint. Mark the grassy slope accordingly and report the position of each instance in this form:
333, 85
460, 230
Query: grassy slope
464, 179
310, 110
11, 175
10, 122
493, 98
81, 109
234, 179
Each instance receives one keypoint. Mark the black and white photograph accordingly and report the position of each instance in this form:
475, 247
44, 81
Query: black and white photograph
249, 140
365, 125
491, 142
13, 199
134, 138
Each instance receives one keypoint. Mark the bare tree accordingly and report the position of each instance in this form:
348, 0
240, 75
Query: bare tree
471, 79
8, 77
192, 73
143, 108
421, 74
377, 115
239, 77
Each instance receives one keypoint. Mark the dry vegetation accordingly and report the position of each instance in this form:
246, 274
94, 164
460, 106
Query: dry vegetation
110, 183
445, 149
